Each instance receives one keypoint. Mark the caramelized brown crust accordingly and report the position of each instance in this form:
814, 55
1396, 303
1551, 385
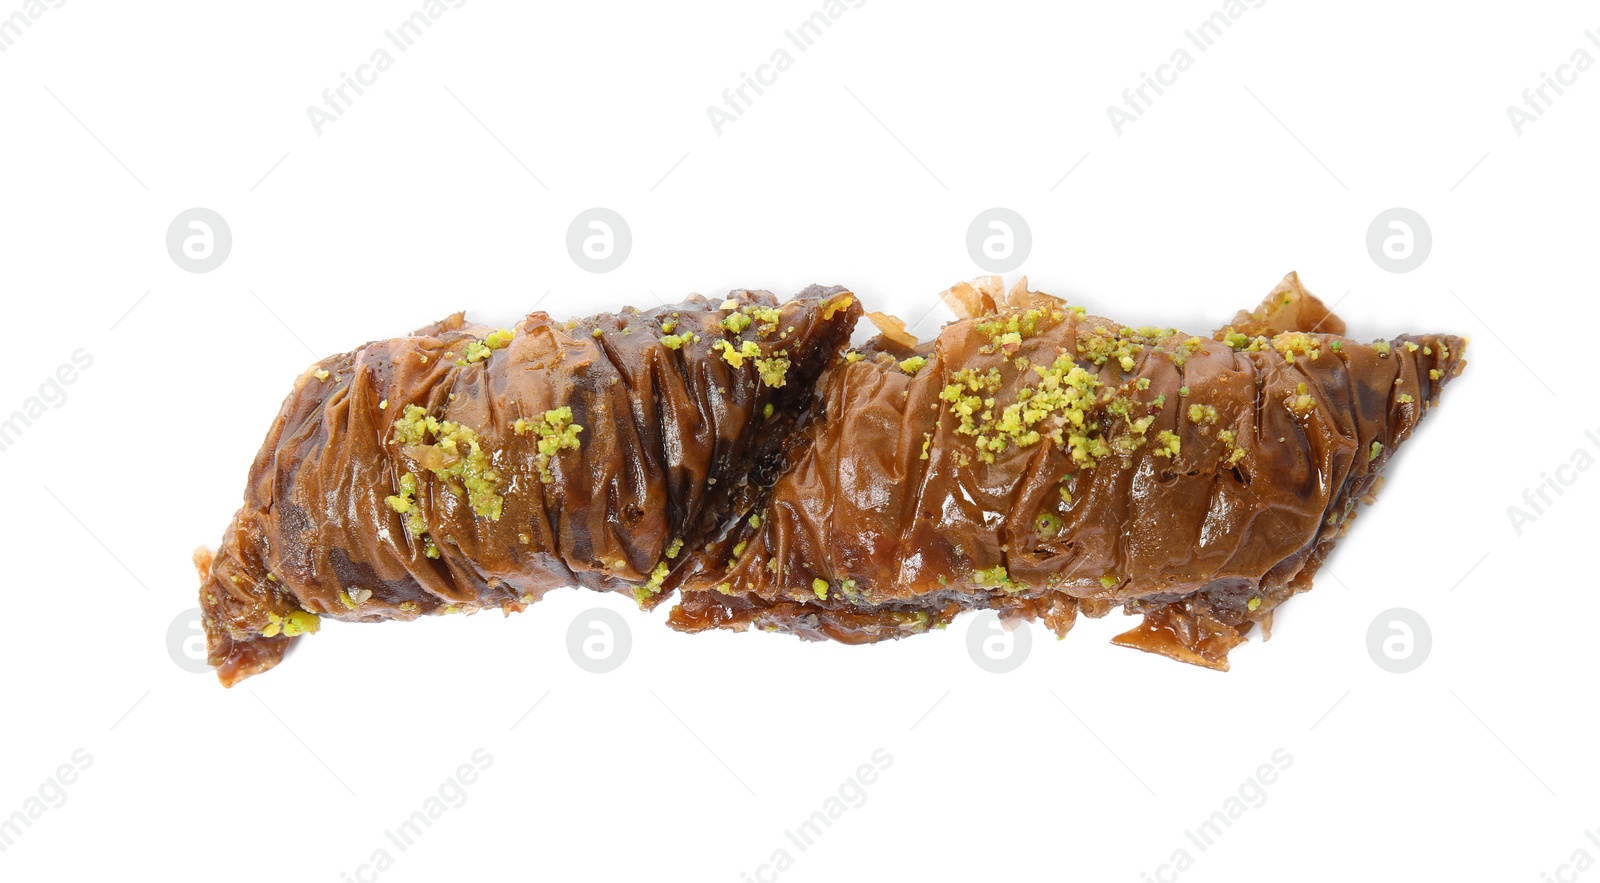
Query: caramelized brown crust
1032, 459
890, 516
670, 433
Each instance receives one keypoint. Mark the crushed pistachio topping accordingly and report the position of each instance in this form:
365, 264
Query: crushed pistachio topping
1434, 374
927, 442
997, 577
819, 587
454, 457
773, 371
1181, 353
735, 322
320, 374
1300, 401
852, 357
1410, 347
1381, 347
735, 357
673, 341
1056, 408
767, 317
1204, 413
1374, 451
674, 547
1167, 444
849, 587
657, 577
405, 503
298, 622
1047, 525
913, 364
1404, 398
1110, 580
556, 433
1103, 345
1254, 604
1295, 342
766, 411
1235, 453
477, 351
1008, 333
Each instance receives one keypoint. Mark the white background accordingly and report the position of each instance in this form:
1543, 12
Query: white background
450, 184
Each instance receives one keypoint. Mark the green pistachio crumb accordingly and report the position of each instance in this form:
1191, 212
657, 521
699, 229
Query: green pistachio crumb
300, 622
773, 371
557, 433
995, 576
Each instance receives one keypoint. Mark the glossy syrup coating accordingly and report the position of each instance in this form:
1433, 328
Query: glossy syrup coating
463, 468
730, 455
1197, 480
